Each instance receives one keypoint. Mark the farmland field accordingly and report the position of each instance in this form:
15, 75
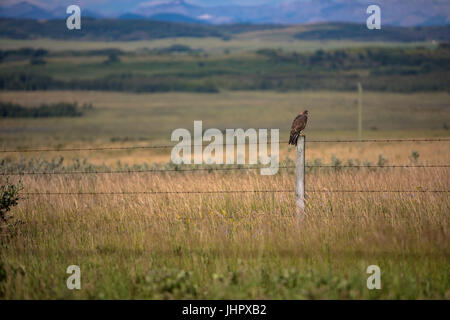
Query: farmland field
125, 119
234, 246
169, 246
140, 227
245, 42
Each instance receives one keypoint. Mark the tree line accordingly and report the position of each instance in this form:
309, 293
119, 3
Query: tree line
62, 109
393, 69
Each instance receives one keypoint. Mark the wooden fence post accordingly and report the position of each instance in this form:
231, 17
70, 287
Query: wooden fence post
300, 176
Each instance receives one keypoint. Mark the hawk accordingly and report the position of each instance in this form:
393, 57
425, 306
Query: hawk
298, 125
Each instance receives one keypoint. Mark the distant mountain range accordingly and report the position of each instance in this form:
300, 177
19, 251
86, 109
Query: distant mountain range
393, 12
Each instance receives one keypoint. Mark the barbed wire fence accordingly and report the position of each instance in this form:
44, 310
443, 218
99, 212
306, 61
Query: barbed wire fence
222, 192
210, 169
181, 170
25, 150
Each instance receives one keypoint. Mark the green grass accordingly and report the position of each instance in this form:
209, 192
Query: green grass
382, 69
245, 42
236, 246
191, 247
109, 272
155, 116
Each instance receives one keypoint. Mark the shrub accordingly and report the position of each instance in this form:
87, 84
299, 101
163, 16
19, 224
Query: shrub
62, 109
36, 61
382, 161
414, 156
112, 58
9, 197
177, 48
169, 284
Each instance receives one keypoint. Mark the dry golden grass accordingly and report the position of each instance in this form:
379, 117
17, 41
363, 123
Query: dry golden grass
238, 245
396, 153
233, 245
153, 117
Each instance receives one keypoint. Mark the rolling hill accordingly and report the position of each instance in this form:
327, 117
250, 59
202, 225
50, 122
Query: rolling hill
394, 12
134, 28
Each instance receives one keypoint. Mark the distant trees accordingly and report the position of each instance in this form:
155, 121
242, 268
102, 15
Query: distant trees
385, 69
37, 61
105, 29
121, 29
359, 32
112, 58
23, 53
62, 109
116, 82
177, 48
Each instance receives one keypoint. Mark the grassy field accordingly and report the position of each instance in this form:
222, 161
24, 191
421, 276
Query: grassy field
174, 67
122, 119
249, 41
155, 116
234, 246
237, 245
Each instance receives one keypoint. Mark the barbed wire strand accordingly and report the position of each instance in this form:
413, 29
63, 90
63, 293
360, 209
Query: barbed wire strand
216, 169
192, 145
226, 191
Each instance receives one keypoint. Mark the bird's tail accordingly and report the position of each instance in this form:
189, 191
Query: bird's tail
293, 139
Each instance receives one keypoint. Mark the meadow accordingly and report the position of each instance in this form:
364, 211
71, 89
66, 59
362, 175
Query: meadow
150, 118
250, 41
126, 119
232, 245
177, 67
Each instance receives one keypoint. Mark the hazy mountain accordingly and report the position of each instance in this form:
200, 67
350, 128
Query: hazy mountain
131, 16
60, 13
173, 17
25, 10
393, 12
170, 8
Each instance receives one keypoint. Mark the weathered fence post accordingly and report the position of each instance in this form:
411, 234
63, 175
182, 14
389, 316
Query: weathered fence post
300, 176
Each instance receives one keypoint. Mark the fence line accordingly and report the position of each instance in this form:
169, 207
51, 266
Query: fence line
219, 169
223, 192
382, 140
222, 169
192, 145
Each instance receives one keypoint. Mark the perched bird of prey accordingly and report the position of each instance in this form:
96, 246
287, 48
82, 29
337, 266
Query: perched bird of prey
298, 125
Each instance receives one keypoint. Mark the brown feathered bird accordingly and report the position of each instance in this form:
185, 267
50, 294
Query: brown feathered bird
298, 125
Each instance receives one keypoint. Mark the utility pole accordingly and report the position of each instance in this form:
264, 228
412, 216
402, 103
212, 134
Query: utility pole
360, 93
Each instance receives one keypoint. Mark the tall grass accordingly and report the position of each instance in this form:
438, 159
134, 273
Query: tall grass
234, 246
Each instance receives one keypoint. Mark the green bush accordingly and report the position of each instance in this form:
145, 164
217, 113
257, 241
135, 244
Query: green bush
37, 61
112, 58
9, 197
168, 284
62, 109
